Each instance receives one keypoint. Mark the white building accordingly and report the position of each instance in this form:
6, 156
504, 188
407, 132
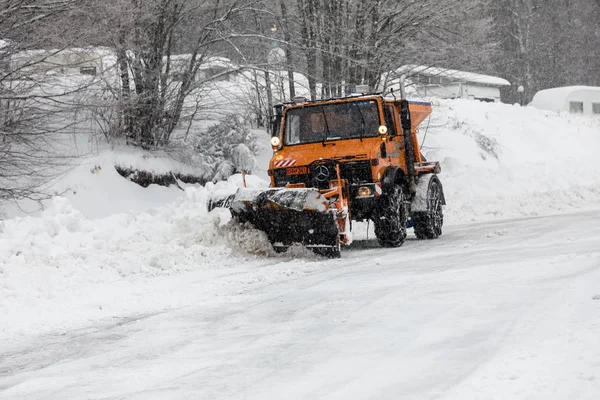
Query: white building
97, 60
573, 99
213, 66
69, 61
450, 84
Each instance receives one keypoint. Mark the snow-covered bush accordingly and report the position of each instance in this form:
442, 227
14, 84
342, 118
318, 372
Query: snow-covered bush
229, 143
221, 150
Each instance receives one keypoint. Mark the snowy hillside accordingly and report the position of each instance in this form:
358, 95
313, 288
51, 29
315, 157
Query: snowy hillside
110, 251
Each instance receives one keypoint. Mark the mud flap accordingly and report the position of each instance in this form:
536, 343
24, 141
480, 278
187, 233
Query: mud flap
420, 202
287, 216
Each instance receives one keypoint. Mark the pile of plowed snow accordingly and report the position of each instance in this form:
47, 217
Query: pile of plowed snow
502, 161
63, 267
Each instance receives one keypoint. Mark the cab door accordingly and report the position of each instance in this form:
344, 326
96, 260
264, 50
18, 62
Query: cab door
395, 142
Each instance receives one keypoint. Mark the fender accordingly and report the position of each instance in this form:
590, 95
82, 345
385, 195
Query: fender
393, 175
419, 203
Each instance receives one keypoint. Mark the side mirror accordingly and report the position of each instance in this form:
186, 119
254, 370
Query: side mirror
275, 124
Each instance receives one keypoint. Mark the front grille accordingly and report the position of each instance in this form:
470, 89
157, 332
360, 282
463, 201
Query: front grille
355, 172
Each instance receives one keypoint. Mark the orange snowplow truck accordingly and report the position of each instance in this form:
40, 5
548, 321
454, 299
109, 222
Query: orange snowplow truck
339, 160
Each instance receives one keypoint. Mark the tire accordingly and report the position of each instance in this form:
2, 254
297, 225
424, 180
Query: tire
428, 224
390, 218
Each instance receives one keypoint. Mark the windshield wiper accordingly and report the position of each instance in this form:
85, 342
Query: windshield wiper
362, 127
326, 135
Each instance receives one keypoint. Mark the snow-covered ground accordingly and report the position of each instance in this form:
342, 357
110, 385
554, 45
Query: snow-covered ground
115, 291
502, 310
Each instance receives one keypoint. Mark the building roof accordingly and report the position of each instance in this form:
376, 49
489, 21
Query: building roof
208, 62
95, 51
452, 74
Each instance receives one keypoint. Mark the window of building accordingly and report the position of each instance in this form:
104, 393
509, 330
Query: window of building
5, 65
576, 107
88, 71
596, 108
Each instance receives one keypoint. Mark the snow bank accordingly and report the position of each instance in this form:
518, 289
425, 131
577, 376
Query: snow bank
64, 268
95, 188
91, 252
501, 161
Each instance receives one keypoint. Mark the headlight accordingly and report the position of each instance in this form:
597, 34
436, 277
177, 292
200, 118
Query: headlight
365, 191
275, 141
383, 130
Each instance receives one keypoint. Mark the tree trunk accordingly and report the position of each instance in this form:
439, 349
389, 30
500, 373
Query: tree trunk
259, 107
269, 96
125, 93
288, 51
307, 9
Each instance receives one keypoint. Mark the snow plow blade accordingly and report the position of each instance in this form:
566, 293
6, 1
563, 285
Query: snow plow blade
287, 216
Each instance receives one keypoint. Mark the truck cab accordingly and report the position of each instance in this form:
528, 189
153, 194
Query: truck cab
363, 135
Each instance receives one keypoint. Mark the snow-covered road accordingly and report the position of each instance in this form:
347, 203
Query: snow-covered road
491, 310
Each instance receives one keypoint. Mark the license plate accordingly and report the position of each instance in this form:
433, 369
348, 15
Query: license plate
296, 171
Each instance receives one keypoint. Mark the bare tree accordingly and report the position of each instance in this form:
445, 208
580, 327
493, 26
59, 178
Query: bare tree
546, 43
517, 21
161, 46
36, 108
289, 54
351, 42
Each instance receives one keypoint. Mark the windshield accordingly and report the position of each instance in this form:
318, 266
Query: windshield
351, 120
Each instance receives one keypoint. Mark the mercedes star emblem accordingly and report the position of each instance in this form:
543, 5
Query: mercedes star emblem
322, 173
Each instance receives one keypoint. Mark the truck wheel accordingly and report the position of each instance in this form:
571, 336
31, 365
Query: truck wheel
428, 224
391, 217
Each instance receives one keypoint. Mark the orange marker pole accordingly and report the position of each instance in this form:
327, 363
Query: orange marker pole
244, 178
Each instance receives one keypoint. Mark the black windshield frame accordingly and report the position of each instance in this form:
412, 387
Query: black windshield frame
329, 122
